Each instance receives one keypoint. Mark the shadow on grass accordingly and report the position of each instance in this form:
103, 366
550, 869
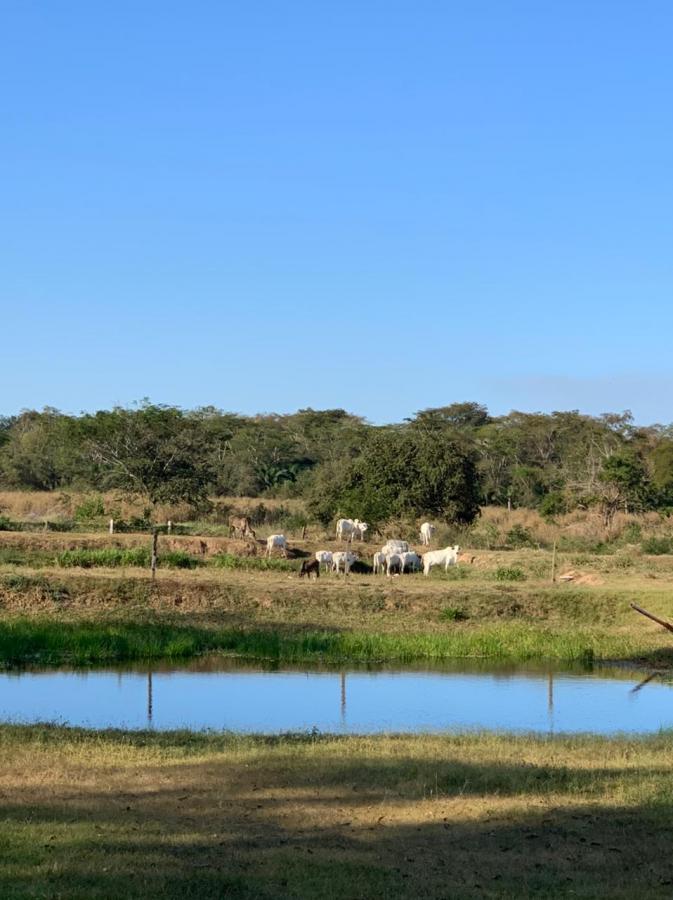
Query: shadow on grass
286, 821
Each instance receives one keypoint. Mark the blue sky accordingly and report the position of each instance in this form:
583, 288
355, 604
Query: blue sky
379, 205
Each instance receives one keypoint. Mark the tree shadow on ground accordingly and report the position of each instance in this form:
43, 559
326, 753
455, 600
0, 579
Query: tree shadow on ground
304, 826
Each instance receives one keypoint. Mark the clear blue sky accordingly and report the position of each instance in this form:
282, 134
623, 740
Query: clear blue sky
373, 204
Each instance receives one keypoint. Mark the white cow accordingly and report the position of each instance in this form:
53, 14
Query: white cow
276, 540
395, 547
350, 528
324, 558
446, 557
379, 562
393, 561
411, 561
343, 560
427, 530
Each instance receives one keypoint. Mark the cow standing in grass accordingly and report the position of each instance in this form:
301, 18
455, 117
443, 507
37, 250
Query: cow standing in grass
343, 560
446, 557
427, 531
324, 558
379, 561
310, 567
347, 529
276, 540
241, 526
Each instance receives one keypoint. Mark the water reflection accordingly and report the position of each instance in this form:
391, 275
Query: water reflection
218, 694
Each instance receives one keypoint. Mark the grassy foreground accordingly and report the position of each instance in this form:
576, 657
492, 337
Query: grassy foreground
113, 814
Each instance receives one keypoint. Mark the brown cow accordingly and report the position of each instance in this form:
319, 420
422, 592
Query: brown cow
240, 526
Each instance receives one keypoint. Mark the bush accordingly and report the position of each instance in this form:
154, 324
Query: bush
509, 574
452, 614
6, 524
632, 533
519, 536
657, 546
552, 505
92, 508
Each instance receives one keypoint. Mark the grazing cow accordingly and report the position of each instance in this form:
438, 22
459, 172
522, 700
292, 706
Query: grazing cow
310, 567
427, 530
324, 557
412, 561
343, 560
446, 557
276, 540
379, 562
347, 529
241, 526
395, 547
393, 562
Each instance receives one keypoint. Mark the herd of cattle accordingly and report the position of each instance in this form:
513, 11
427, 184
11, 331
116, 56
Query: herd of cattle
394, 558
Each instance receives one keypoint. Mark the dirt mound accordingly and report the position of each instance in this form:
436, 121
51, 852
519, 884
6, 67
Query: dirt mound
572, 576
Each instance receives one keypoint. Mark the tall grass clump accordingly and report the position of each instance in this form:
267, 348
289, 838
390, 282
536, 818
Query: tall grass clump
511, 573
657, 546
252, 563
113, 557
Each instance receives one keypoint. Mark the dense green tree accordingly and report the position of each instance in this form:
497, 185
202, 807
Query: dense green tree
623, 480
401, 473
39, 451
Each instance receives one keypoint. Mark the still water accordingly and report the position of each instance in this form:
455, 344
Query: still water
225, 695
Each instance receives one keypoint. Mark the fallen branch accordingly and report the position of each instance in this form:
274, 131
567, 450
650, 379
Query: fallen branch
649, 615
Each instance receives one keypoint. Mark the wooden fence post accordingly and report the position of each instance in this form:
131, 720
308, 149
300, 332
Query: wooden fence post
169, 526
155, 541
553, 563
112, 526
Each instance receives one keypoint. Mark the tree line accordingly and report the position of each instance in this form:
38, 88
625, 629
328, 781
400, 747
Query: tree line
444, 462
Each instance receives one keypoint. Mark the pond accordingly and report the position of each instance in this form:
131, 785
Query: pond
223, 694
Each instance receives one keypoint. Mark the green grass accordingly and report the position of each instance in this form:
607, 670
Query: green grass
48, 641
253, 563
174, 816
113, 557
509, 573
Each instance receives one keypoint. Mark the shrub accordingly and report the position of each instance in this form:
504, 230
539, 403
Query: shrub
509, 574
452, 614
91, 508
657, 546
553, 504
519, 536
6, 524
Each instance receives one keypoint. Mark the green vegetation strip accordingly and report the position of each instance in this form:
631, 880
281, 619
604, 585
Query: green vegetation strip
116, 557
24, 640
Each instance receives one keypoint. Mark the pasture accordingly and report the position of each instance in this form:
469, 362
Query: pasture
153, 815
147, 814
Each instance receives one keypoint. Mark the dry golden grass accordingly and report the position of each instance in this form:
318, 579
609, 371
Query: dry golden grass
118, 815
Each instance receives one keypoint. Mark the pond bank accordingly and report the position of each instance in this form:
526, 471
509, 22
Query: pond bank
54, 618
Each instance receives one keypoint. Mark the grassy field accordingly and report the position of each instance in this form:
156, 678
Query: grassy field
201, 815
147, 815
502, 605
